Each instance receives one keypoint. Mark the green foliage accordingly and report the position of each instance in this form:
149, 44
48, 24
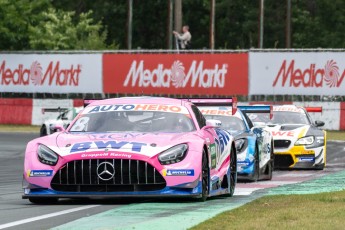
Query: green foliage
57, 31
15, 17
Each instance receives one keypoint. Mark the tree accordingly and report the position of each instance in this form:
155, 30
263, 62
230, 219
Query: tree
15, 18
57, 31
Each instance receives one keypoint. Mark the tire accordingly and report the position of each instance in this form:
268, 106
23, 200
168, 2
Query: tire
270, 166
269, 170
205, 177
233, 173
256, 173
45, 200
43, 131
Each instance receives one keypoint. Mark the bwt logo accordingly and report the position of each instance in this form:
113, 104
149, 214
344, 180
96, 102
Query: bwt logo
310, 77
53, 75
197, 75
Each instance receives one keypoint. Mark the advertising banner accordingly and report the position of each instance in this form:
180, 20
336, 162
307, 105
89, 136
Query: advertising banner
51, 73
199, 74
287, 73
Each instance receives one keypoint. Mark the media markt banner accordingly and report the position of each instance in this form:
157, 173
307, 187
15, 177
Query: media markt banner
51, 73
296, 73
202, 74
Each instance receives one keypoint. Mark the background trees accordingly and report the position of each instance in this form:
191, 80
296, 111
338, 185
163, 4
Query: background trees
88, 24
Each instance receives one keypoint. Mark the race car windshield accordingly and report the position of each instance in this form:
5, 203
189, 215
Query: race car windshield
133, 121
281, 118
230, 123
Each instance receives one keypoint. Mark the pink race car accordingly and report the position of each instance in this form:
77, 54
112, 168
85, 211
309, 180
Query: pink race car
126, 147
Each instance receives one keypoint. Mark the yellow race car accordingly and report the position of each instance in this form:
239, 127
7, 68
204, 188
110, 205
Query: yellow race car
298, 140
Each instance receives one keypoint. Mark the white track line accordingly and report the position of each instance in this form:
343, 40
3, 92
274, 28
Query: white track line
15, 223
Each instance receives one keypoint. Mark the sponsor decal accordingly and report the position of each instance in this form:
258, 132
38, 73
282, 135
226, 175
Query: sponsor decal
40, 173
106, 154
137, 107
178, 172
313, 76
53, 74
306, 159
84, 146
213, 152
288, 109
283, 133
220, 111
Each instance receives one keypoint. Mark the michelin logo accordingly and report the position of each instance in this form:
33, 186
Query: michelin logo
40, 173
179, 172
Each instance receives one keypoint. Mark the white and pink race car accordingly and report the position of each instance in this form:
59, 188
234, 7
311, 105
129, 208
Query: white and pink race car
126, 147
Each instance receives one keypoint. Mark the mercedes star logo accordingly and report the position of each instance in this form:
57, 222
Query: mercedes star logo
105, 171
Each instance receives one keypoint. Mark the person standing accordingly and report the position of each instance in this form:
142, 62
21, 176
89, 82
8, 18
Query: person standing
185, 38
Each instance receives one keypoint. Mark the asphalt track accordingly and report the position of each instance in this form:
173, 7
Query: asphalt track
16, 213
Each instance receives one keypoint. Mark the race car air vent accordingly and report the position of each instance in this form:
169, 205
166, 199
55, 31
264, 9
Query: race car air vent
281, 143
282, 161
107, 175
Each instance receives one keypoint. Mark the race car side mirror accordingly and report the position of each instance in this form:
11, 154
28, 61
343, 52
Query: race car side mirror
59, 128
214, 123
319, 123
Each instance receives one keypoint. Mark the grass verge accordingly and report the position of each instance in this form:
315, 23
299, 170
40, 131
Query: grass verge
317, 211
336, 135
20, 128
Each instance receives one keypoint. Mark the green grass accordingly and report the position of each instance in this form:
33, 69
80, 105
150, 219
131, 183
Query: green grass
318, 211
19, 128
336, 135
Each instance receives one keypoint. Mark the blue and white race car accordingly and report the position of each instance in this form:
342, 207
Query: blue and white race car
254, 145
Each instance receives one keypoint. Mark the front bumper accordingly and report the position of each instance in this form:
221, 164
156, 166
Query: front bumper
298, 157
166, 192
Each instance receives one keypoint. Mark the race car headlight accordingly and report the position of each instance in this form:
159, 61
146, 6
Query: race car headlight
173, 155
305, 141
46, 155
240, 145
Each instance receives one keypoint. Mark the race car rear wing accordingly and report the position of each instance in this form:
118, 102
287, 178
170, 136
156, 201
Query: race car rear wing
54, 110
257, 109
313, 109
232, 101
89, 101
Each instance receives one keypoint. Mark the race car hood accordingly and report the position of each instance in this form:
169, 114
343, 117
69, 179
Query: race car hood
148, 144
291, 131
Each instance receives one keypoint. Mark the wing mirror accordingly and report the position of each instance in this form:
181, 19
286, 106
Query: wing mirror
214, 123
58, 128
319, 123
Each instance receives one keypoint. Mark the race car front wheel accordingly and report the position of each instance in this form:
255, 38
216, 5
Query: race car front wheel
255, 175
205, 177
233, 173
44, 200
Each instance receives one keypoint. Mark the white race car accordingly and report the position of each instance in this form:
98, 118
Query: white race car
298, 140
65, 117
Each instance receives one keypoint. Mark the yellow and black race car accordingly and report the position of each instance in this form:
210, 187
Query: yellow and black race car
298, 140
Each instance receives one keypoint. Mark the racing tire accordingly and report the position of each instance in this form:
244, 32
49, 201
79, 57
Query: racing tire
320, 167
233, 173
270, 166
43, 131
205, 177
256, 173
45, 200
